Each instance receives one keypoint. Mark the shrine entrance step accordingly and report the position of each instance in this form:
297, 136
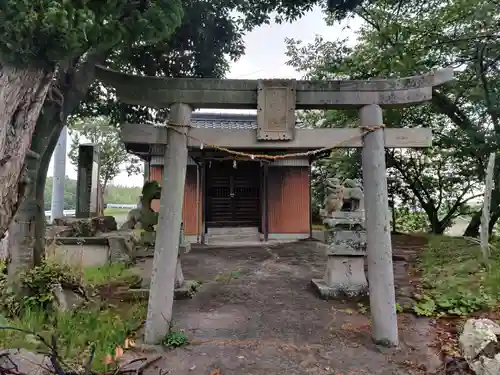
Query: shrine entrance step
236, 235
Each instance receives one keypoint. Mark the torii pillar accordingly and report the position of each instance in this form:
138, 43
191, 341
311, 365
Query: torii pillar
165, 261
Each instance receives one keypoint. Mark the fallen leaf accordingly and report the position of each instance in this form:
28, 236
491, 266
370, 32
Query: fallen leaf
347, 326
129, 343
215, 372
107, 359
118, 352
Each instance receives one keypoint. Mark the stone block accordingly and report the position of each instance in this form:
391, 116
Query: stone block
346, 242
105, 224
80, 253
123, 245
186, 290
65, 299
148, 238
86, 227
348, 219
120, 250
344, 278
480, 346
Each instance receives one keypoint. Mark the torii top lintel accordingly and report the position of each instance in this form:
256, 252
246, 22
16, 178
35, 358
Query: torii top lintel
243, 94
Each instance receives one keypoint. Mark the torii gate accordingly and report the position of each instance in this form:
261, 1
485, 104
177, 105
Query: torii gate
276, 101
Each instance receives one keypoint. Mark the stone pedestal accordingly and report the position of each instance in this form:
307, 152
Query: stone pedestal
345, 219
345, 250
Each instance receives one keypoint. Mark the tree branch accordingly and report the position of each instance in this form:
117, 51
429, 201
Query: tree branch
482, 70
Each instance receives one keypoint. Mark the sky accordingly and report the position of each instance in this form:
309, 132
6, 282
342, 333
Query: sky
264, 58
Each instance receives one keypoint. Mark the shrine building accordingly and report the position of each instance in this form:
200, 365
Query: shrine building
245, 199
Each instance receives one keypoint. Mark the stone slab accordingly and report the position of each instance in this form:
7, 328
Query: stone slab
242, 94
80, 255
186, 291
150, 252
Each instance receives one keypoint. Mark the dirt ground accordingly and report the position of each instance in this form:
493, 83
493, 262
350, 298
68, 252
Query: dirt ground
266, 318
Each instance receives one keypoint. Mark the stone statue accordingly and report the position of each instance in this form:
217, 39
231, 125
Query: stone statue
143, 217
353, 195
341, 197
334, 199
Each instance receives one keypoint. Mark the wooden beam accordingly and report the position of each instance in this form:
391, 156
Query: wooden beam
305, 139
242, 94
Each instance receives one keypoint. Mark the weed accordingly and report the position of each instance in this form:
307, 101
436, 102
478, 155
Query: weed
454, 280
399, 309
31, 308
175, 339
228, 276
362, 308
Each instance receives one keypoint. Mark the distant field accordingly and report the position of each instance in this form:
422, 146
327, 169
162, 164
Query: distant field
116, 211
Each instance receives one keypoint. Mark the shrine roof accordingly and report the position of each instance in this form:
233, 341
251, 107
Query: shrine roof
223, 120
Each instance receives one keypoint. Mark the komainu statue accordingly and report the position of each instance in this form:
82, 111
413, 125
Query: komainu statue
353, 195
346, 196
143, 217
334, 197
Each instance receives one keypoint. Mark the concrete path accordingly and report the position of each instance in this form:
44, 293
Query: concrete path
257, 314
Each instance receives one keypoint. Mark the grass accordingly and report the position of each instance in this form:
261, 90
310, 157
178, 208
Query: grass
77, 332
112, 211
454, 280
97, 325
114, 272
318, 227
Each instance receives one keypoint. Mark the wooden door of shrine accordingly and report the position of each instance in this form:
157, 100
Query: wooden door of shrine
233, 194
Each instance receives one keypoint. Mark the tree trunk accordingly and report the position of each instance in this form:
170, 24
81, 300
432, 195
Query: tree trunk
39, 244
43, 139
493, 220
22, 94
27, 230
438, 228
472, 229
21, 235
102, 193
